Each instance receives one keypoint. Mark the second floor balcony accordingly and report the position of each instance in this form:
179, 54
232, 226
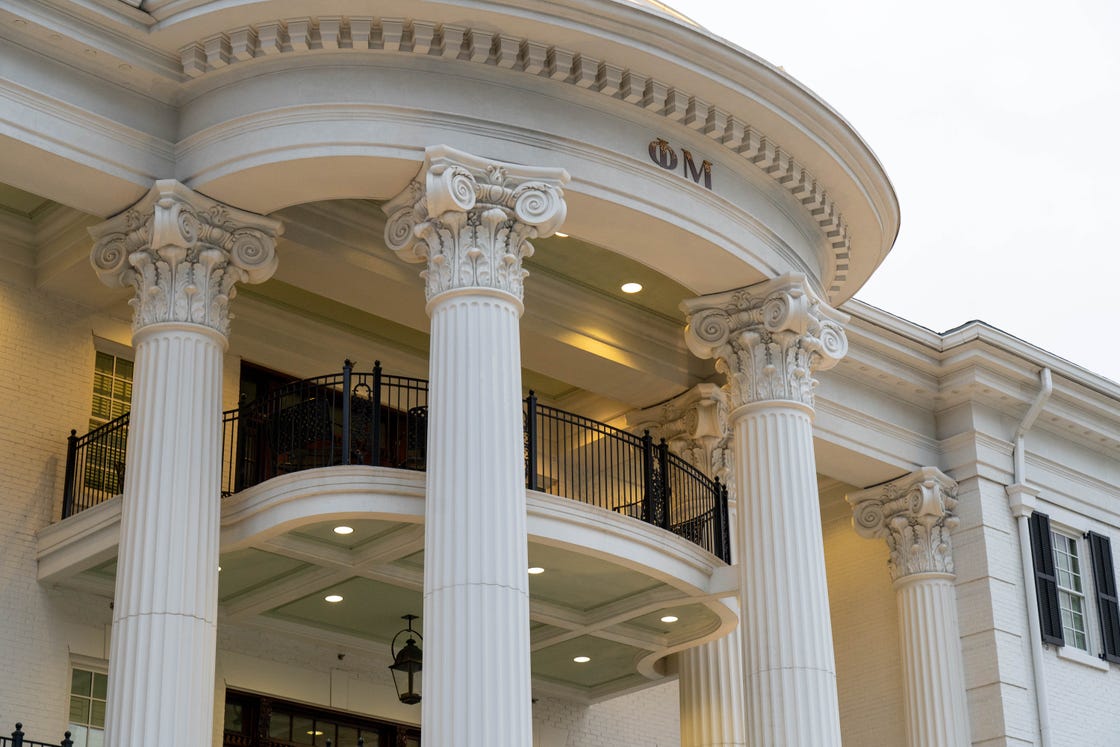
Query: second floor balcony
355, 417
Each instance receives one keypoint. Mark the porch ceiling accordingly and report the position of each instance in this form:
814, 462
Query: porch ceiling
585, 603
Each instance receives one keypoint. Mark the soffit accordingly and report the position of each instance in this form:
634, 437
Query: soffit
580, 606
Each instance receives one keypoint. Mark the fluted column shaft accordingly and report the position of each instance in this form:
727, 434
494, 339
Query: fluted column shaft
768, 340
470, 220
932, 669
915, 516
183, 254
711, 692
161, 662
476, 591
788, 659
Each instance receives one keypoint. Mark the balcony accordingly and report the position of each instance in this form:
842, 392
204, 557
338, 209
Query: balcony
378, 419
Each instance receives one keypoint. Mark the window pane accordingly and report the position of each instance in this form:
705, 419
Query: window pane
104, 362
280, 725
78, 734
100, 685
102, 408
97, 713
234, 718
124, 368
79, 709
303, 730
96, 738
102, 384
348, 737
80, 682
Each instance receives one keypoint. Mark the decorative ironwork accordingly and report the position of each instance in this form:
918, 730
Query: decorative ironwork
356, 417
18, 740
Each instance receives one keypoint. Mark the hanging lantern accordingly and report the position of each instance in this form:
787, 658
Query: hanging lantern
407, 663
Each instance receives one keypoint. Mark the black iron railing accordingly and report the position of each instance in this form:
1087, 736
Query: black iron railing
94, 466
355, 417
18, 740
351, 417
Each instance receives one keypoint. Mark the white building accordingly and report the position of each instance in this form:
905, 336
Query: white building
922, 543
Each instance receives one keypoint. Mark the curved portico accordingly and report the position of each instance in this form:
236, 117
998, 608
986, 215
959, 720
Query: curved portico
465, 138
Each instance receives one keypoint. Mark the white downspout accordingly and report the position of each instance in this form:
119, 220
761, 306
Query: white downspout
1022, 501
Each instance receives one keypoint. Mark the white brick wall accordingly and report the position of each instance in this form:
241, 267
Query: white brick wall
864, 629
46, 356
647, 718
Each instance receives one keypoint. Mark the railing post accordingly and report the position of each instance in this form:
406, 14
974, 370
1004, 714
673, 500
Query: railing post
17, 735
647, 477
347, 369
67, 741
666, 485
531, 440
71, 466
375, 436
719, 523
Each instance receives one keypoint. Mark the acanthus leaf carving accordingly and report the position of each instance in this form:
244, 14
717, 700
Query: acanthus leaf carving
915, 515
695, 426
767, 339
183, 253
472, 220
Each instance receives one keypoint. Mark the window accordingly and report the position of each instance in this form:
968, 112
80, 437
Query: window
112, 397
112, 388
1071, 592
87, 707
1064, 608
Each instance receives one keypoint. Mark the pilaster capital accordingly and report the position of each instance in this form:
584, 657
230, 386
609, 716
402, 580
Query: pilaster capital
183, 253
914, 514
471, 220
696, 428
767, 339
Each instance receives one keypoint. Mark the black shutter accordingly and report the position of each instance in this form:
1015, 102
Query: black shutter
1104, 581
1045, 580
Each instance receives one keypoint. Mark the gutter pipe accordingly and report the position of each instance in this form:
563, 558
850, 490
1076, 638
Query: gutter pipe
1022, 501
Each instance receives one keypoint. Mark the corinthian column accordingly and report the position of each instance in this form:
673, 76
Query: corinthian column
767, 340
914, 514
182, 253
710, 675
470, 220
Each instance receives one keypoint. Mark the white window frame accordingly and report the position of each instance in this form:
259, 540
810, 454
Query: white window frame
1059, 532
80, 732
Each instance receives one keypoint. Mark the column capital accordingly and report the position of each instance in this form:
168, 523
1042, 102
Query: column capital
767, 339
695, 425
914, 514
183, 253
471, 220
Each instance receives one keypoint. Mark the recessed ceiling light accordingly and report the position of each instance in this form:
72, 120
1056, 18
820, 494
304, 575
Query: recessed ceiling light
536, 569
315, 733
631, 287
343, 529
561, 235
333, 598
669, 619
582, 659
219, 569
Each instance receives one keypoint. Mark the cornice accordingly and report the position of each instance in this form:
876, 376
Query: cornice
474, 45
156, 155
105, 35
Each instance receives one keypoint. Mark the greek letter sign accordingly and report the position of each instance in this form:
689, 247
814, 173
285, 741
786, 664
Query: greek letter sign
663, 154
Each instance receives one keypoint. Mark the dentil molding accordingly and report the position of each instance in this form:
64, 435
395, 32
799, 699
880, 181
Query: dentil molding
298, 36
183, 253
471, 219
767, 339
914, 514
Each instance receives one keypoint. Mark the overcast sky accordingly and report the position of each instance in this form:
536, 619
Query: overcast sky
999, 125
